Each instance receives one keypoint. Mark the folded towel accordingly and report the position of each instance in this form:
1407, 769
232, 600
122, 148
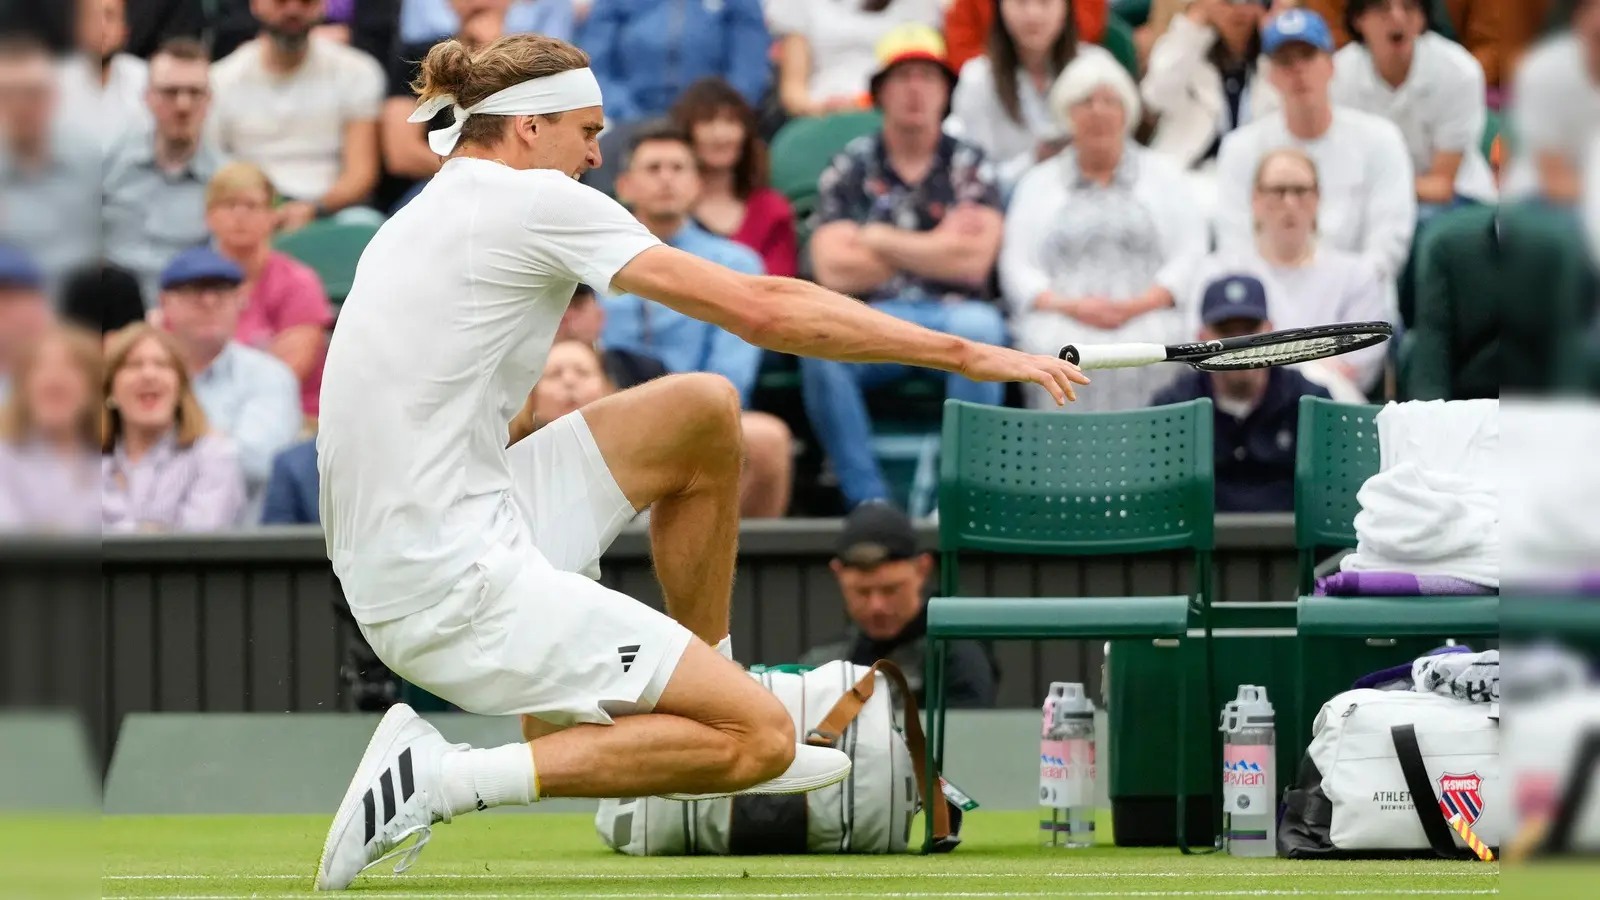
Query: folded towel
1433, 507
1550, 490
1399, 678
1465, 676
1395, 584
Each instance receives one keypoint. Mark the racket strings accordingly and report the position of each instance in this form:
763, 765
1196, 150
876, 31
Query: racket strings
1286, 353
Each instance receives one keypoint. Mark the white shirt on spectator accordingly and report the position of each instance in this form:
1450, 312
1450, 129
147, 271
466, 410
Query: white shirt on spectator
1556, 109
844, 37
1184, 88
1368, 191
111, 109
977, 115
252, 397
293, 125
1441, 107
456, 303
1334, 287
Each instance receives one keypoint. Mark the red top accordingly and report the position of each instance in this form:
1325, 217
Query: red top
287, 294
768, 229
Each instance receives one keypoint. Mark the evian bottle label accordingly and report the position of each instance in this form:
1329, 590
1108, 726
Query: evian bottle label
1245, 769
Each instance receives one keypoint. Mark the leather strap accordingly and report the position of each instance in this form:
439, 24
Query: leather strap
833, 725
1423, 799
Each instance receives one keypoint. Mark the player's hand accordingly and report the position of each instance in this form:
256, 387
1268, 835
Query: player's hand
988, 362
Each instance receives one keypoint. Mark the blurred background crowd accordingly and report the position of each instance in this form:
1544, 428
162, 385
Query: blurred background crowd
187, 184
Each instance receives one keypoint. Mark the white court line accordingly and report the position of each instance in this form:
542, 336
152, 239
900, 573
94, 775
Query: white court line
665, 876
996, 895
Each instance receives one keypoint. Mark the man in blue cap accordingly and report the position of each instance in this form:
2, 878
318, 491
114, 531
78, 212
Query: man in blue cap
247, 394
1257, 411
23, 309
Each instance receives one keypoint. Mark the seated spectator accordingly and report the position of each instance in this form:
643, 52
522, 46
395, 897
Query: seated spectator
304, 109
1256, 411
103, 300
968, 24
1308, 282
585, 322
247, 394
645, 53
50, 434
575, 377
884, 580
49, 167
286, 311
1207, 77
1427, 85
155, 178
425, 21
100, 84
828, 49
1087, 233
1555, 110
736, 201
24, 312
1000, 102
406, 154
908, 218
162, 468
660, 182
1369, 198
292, 496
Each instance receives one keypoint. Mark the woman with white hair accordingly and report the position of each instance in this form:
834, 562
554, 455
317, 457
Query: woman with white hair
1087, 232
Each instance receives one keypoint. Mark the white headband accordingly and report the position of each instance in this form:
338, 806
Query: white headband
563, 91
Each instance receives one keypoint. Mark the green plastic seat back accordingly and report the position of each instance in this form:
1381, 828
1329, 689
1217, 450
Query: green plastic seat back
803, 148
1119, 40
1337, 452
332, 250
1062, 483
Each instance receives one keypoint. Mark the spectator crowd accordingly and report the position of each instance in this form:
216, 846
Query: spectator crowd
184, 187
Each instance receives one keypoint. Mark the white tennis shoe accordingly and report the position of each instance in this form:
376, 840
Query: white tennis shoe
813, 768
392, 798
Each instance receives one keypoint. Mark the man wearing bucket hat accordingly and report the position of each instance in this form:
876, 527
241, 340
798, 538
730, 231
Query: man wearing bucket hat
909, 220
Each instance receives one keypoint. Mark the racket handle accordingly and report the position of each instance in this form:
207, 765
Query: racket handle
1113, 356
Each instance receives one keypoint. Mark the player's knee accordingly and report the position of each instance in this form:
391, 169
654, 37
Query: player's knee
766, 746
710, 410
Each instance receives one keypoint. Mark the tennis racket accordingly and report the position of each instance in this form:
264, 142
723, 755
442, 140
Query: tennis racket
1251, 351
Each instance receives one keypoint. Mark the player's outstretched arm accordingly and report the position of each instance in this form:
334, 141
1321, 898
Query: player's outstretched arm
793, 316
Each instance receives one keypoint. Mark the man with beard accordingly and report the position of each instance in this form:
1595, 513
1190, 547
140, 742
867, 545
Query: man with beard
302, 108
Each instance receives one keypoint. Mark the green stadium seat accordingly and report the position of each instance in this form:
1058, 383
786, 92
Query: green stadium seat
1119, 40
331, 248
1045, 483
804, 147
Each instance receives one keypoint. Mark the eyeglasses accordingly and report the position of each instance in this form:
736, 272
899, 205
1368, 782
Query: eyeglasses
173, 92
1282, 191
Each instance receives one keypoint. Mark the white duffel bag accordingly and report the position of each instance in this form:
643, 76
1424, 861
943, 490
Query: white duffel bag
1385, 772
837, 705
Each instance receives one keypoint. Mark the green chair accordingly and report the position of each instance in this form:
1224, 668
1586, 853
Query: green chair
1119, 40
1342, 638
804, 147
1063, 484
332, 249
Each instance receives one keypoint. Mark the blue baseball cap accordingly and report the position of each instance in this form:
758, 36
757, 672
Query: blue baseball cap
18, 270
1234, 297
200, 264
1294, 25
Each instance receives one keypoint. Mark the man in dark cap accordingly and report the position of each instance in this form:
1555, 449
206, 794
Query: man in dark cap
1257, 411
883, 577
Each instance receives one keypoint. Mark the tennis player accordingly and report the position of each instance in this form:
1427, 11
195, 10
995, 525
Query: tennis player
468, 545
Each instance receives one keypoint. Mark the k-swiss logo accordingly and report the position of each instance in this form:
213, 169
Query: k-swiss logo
628, 654
1461, 795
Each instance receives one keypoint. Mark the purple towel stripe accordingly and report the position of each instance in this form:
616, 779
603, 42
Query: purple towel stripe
1396, 584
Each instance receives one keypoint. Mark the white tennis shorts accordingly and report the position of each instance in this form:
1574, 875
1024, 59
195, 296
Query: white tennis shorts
529, 631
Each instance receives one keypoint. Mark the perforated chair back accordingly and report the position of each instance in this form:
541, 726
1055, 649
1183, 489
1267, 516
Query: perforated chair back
1335, 454
1043, 482
332, 249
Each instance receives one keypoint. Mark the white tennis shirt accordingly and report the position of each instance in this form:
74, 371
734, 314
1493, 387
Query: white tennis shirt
455, 304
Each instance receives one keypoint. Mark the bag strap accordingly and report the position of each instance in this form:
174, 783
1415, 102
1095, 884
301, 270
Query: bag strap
832, 727
1423, 799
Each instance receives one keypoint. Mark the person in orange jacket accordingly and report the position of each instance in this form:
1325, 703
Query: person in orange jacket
967, 23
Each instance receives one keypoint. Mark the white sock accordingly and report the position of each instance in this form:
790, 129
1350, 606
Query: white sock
483, 779
725, 647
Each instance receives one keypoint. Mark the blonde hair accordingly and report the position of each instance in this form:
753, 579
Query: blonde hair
472, 77
236, 178
191, 420
16, 417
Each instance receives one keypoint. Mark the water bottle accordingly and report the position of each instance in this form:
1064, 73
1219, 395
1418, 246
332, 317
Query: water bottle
1067, 768
1249, 777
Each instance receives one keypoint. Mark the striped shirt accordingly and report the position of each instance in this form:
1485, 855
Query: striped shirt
171, 488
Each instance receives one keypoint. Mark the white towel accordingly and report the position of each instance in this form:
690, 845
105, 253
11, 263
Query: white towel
1551, 497
1433, 508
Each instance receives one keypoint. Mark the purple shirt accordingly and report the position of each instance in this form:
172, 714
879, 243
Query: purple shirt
43, 491
172, 489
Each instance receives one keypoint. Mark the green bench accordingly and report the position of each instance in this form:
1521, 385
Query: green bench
1073, 484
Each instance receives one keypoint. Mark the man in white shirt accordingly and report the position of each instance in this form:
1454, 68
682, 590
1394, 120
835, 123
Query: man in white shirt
1427, 85
101, 86
302, 108
1369, 202
1555, 111
471, 567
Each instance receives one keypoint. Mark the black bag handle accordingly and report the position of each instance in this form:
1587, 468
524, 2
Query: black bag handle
1423, 799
